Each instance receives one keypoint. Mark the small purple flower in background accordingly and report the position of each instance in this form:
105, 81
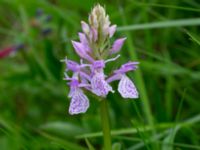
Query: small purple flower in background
42, 21
95, 51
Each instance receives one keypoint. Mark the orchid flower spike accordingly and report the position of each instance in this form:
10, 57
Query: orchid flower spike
95, 50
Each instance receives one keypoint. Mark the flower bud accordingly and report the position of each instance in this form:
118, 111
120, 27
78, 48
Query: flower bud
99, 20
85, 27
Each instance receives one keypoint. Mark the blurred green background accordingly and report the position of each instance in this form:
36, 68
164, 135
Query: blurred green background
162, 35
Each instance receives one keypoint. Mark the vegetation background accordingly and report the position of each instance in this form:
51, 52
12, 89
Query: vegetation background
163, 35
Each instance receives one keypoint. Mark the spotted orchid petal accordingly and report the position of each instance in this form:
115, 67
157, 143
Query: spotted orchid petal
80, 50
127, 67
99, 86
85, 27
126, 88
74, 84
71, 92
114, 77
117, 45
72, 65
84, 41
79, 102
112, 30
117, 74
82, 38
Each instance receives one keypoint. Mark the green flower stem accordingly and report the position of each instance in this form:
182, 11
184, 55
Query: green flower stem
105, 125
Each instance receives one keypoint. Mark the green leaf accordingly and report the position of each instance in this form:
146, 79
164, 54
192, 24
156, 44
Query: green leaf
63, 129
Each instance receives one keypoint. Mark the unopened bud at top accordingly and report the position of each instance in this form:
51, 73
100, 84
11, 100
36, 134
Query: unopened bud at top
99, 20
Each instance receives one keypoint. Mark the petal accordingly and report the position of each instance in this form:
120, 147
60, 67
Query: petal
98, 64
74, 84
85, 27
117, 45
85, 76
72, 65
80, 50
82, 38
112, 30
71, 92
126, 88
79, 103
106, 26
127, 67
99, 86
114, 77
93, 34
84, 41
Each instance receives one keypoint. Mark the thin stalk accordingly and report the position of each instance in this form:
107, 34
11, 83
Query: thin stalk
105, 125
138, 77
140, 82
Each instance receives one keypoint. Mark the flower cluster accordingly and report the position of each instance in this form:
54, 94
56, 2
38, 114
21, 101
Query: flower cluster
94, 50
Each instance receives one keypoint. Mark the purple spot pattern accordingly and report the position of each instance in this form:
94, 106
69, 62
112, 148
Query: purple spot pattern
99, 86
126, 88
79, 103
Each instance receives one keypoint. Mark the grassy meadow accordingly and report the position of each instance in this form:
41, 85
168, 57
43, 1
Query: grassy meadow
162, 35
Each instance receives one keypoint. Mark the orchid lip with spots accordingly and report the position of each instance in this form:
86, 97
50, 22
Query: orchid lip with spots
95, 51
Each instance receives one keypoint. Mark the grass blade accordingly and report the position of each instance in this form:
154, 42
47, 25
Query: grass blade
163, 24
89, 144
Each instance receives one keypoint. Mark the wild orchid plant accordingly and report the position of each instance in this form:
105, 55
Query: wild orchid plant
95, 50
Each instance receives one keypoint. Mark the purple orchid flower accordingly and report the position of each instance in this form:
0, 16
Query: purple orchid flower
79, 101
98, 83
126, 87
94, 49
